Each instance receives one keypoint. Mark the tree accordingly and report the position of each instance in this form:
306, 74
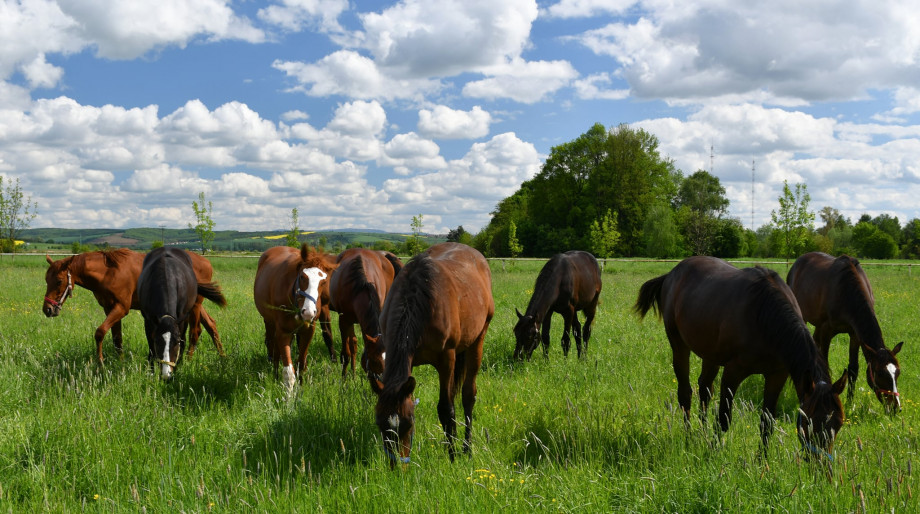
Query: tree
603, 235
204, 226
459, 235
793, 220
660, 234
701, 202
832, 219
414, 242
15, 213
514, 246
291, 238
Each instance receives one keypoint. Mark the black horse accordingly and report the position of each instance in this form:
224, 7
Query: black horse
167, 291
568, 283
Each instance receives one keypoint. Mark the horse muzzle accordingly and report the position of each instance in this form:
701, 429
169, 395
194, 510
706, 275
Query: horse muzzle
51, 311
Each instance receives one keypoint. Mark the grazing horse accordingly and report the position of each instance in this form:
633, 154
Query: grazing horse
835, 297
167, 292
111, 276
747, 321
287, 295
437, 312
357, 290
568, 283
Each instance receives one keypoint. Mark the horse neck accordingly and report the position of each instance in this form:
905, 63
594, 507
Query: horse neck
408, 314
806, 365
864, 323
544, 295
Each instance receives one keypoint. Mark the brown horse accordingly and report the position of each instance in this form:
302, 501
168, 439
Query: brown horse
747, 321
324, 318
568, 283
357, 290
835, 297
437, 312
287, 295
112, 278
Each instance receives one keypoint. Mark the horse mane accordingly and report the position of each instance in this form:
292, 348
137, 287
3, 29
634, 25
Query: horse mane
544, 290
311, 258
395, 262
778, 321
358, 277
845, 271
409, 312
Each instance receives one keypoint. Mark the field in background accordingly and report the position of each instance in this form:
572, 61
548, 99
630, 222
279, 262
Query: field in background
599, 434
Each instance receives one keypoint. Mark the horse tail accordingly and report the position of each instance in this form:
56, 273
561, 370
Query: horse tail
459, 369
395, 262
212, 292
650, 296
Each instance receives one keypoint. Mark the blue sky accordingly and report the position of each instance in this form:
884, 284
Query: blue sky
363, 114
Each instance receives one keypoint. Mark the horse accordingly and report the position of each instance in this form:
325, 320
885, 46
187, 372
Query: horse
569, 282
167, 292
746, 321
437, 312
287, 295
835, 297
357, 289
324, 317
111, 276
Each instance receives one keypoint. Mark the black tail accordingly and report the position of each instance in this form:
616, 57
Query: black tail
650, 296
212, 292
395, 262
459, 370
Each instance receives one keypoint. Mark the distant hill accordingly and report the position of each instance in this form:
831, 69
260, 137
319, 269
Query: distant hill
49, 239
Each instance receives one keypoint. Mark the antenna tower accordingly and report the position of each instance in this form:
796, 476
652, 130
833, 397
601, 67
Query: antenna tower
752, 193
711, 158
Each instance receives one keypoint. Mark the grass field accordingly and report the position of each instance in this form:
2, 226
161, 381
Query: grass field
598, 434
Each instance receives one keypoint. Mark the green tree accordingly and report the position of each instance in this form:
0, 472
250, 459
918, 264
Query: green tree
16, 212
660, 233
459, 235
832, 219
204, 225
793, 220
291, 238
414, 242
603, 235
910, 235
514, 246
156, 244
701, 202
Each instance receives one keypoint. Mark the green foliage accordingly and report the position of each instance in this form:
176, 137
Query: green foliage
16, 212
793, 220
204, 225
701, 203
459, 235
729, 241
603, 235
292, 238
156, 244
660, 233
514, 246
414, 243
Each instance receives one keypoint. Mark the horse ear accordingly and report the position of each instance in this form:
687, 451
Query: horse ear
376, 385
840, 385
304, 251
47, 258
516, 311
407, 387
897, 348
869, 350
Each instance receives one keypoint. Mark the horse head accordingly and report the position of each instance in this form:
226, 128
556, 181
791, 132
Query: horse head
373, 358
59, 286
395, 417
526, 335
165, 346
882, 372
821, 417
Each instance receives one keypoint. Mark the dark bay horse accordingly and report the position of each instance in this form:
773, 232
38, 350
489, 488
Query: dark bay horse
568, 283
747, 321
437, 312
287, 295
835, 297
167, 292
111, 276
357, 290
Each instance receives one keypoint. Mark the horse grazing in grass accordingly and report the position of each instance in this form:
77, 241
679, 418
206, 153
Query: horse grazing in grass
747, 321
287, 295
167, 292
357, 290
437, 312
835, 297
111, 276
568, 283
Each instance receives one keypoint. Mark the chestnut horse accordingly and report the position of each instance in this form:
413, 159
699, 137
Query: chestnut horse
111, 276
287, 295
747, 321
357, 290
167, 292
568, 283
835, 297
437, 312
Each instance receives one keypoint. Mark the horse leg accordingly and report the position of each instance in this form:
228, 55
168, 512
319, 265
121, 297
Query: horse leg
566, 327
772, 388
544, 332
704, 382
116, 337
446, 413
680, 361
194, 326
304, 338
823, 339
853, 366
270, 349
349, 343
283, 347
472, 363
731, 378
589, 324
211, 327
325, 327
576, 331
112, 317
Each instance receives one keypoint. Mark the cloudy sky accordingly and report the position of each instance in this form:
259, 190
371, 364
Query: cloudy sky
117, 113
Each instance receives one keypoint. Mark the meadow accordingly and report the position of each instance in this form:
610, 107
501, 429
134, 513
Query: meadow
602, 433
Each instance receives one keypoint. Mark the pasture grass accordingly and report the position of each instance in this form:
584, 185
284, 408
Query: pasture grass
602, 433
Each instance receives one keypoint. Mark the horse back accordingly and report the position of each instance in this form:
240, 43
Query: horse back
275, 275
830, 290
167, 284
585, 278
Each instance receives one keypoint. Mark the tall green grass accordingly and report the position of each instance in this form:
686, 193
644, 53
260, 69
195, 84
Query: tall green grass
601, 433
